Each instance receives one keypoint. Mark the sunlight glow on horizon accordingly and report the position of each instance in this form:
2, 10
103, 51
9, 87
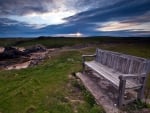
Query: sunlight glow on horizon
78, 34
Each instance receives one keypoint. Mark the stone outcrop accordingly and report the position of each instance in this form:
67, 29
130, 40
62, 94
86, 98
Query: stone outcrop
10, 52
36, 48
16, 58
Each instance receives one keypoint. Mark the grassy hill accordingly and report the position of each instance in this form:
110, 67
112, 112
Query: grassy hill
62, 41
48, 88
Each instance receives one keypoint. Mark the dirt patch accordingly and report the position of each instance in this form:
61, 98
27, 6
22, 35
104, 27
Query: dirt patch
1, 49
32, 60
18, 58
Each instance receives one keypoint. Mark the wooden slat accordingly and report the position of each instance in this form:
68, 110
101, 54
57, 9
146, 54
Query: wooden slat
109, 74
123, 55
121, 62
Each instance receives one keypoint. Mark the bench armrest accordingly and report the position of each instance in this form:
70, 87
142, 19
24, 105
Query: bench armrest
84, 57
131, 76
89, 55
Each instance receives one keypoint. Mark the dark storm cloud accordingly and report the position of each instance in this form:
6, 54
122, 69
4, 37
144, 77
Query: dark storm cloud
127, 13
21, 7
124, 9
89, 16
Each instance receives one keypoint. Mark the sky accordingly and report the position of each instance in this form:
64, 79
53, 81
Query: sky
34, 18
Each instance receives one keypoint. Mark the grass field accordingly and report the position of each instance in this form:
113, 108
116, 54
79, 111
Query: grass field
44, 88
60, 42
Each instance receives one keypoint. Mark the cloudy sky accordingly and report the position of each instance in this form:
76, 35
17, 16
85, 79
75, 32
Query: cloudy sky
30, 18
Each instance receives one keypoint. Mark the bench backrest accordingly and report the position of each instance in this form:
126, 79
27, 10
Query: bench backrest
123, 63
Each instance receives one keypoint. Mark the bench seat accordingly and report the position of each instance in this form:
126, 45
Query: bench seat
110, 74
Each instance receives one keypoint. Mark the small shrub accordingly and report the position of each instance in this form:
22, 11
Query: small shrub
76, 84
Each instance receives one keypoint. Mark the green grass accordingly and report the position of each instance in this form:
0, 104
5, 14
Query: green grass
43, 88
141, 50
62, 41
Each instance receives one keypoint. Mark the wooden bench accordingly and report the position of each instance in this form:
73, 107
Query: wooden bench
123, 71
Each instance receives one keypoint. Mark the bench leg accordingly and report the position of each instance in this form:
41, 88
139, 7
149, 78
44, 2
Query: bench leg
142, 89
121, 92
83, 68
83, 65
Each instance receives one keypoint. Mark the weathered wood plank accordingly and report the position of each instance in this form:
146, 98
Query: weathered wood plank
121, 91
101, 98
109, 74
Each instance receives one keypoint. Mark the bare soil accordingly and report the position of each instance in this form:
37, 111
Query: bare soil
23, 61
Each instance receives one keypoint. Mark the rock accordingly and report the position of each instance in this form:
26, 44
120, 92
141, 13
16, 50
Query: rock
36, 48
10, 52
17, 58
1, 49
